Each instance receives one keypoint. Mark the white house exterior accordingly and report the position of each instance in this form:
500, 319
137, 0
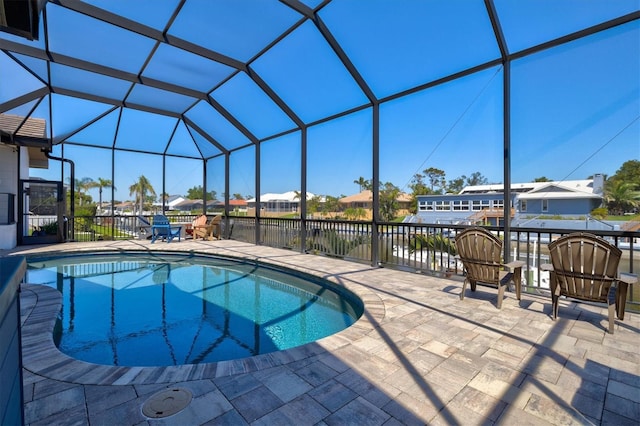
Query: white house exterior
287, 202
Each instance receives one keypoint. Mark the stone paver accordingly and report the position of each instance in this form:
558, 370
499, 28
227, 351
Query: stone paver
418, 355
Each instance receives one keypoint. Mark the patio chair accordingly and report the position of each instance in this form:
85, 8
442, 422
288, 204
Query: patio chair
164, 230
144, 228
585, 267
198, 222
481, 252
207, 231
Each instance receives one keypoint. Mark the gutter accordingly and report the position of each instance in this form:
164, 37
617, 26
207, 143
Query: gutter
72, 166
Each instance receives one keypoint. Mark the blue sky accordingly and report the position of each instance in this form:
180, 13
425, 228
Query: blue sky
574, 109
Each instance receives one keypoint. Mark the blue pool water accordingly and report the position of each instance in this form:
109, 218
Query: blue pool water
137, 309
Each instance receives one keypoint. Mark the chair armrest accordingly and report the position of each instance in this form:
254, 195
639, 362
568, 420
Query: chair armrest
515, 264
546, 267
628, 278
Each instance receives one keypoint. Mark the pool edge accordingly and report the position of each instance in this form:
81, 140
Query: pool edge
42, 357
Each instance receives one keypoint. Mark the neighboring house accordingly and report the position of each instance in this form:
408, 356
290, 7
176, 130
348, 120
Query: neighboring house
364, 200
238, 206
277, 204
484, 204
235, 206
186, 205
173, 202
126, 207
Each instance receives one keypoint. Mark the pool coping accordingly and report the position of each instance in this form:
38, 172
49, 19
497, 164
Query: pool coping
42, 305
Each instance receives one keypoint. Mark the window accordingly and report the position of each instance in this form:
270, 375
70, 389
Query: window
460, 205
424, 206
480, 205
523, 205
443, 205
545, 205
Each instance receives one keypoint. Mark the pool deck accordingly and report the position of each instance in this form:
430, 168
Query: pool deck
418, 355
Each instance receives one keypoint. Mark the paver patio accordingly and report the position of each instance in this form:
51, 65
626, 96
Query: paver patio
418, 355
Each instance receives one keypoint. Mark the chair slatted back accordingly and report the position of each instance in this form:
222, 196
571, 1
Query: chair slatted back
584, 266
160, 219
161, 225
200, 221
480, 252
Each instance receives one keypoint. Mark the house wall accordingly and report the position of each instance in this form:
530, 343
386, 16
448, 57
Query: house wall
9, 184
456, 209
575, 207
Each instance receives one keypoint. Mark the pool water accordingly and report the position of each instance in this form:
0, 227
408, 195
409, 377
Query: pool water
158, 310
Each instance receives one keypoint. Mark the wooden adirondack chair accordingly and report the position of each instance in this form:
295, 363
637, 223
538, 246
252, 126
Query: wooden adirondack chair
585, 267
481, 254
207, 231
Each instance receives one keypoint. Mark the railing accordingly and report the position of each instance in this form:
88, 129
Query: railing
428, 249
98, 228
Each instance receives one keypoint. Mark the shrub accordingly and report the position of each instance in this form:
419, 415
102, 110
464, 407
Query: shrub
600, 213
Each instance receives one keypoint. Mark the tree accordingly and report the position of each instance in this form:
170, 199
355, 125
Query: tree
101, 183
313, 204
436, 179
82, 187
542, 179
620, 196
352, 213
236, 196
362, 183
389, 201
476, 178
629, 172
141, 189
197, 193
456, 185
331, 205
418, 187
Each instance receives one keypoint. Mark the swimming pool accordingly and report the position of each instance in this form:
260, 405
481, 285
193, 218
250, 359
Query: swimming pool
141, 309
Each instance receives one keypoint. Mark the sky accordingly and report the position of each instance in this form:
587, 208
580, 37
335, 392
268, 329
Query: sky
575, 108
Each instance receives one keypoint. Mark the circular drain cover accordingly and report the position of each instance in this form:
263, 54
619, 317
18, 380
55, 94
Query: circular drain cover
166, 403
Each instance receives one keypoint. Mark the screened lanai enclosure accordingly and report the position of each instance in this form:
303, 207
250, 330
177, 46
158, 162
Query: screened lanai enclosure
236, 100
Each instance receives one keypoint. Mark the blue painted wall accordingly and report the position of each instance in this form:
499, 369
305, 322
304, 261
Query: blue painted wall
564, 207
576, 207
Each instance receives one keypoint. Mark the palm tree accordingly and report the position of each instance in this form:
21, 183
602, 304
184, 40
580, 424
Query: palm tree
141, 188
101, 183
82, 186
362, 183
620, 195
297, 195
